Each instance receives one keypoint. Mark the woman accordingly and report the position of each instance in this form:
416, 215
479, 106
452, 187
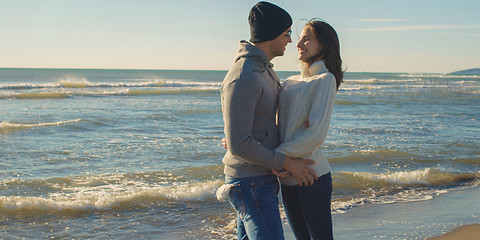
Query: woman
304, 113
305, 110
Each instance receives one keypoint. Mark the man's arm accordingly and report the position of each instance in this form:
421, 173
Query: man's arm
239, 102
303, 175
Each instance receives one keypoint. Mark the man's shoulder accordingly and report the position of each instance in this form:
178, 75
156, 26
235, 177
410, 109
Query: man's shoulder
244, 71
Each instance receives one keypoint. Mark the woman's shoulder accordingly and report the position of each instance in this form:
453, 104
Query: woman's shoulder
316, 80
293, 78
323, 76
322, 82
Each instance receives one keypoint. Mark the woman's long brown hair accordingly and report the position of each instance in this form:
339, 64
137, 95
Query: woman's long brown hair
330, 51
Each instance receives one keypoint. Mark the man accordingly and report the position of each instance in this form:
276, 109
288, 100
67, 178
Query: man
249, 104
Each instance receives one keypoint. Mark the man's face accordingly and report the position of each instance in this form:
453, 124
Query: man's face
279, 44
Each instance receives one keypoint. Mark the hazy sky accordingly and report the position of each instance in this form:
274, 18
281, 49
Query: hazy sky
433, 36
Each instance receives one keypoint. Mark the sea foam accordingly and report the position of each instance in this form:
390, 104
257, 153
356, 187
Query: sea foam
394, 187
105, 192
422, 177
7, 127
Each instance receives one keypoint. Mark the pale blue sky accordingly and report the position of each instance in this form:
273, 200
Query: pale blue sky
433, 36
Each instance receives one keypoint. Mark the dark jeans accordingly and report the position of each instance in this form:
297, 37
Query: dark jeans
308, 209
255, 200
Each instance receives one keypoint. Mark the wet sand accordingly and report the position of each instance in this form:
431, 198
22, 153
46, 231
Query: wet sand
455, 214
470, 232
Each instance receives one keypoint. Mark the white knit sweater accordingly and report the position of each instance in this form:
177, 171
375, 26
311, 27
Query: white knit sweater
308, 97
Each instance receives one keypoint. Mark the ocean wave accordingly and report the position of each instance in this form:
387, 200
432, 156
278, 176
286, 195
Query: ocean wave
38, 95
401, 196
399, 157
82, 87
396, 187
426, 75
7, 127
120, 92
374, 131
83, 83
61, 95
345, 102
171, 91
194, 111
362, 81
425, 177
105, 192
369, 156
386, 82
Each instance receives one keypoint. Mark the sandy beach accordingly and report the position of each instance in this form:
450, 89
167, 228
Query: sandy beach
470, 232
452, 215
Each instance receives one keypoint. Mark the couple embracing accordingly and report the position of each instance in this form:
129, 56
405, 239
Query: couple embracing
262, 152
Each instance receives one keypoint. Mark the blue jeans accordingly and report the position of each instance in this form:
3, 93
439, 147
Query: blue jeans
255, 199
308, 209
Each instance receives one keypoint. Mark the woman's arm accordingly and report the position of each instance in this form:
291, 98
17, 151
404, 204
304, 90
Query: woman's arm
318, 121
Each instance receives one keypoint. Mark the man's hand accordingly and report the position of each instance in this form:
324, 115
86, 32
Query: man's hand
299, 170
224, 143
281, 173
293, 167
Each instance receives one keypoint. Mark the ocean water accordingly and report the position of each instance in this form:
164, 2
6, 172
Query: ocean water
136, 154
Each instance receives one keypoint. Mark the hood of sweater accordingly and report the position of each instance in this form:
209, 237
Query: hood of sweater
249, 51
315, 68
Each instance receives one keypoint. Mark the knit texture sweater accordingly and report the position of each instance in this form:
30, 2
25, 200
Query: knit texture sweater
308, 97
249, 96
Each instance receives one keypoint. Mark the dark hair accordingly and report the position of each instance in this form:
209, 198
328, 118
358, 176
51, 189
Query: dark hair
330, 51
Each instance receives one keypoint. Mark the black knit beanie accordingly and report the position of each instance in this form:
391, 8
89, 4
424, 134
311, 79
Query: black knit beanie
267, 22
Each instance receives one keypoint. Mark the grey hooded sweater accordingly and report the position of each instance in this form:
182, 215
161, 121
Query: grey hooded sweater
249, 95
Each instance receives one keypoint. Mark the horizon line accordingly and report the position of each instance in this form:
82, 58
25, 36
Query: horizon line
154, 69
415, 28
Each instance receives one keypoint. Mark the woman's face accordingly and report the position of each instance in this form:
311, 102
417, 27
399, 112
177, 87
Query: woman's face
308, 46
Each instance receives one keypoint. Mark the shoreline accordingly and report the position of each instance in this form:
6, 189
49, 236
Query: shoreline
468, 232
447, 216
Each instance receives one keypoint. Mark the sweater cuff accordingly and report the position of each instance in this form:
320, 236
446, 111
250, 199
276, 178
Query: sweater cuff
279, 160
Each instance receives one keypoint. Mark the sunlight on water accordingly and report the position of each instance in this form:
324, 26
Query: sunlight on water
137, 153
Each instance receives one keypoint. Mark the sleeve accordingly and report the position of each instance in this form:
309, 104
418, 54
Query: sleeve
318, 119
239, 100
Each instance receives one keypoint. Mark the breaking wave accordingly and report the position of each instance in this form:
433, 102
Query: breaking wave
7, 127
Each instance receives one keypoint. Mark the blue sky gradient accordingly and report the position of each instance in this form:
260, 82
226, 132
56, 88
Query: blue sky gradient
431, 36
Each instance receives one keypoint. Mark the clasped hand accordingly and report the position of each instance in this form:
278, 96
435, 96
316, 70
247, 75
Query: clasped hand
293, 167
